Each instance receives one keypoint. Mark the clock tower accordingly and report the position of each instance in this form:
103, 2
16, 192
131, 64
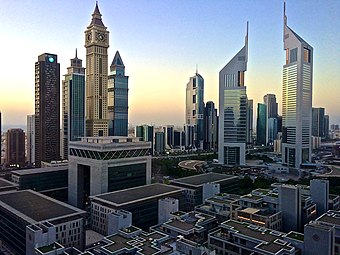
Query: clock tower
96, 44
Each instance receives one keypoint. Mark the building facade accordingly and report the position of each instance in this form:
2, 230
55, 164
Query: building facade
15, 147
318, 122
261, 126
118, 103
250, 120
233, 109
30, 144
296, 99
73, 104
103, 164
47, 108
194, 113
96, 44
211, 126
272, 112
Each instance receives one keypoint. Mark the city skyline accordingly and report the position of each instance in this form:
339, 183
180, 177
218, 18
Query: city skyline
162, 38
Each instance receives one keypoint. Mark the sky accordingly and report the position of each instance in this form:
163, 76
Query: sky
162, 41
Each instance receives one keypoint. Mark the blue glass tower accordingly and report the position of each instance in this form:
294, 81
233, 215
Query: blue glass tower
73, 103
118, 98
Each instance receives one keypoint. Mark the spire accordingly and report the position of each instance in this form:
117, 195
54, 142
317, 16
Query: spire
76, 54
117, 60
284, 13
97, 17
196, 68
246, 41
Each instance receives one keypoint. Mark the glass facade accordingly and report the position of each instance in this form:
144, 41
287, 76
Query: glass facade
118, 98
73, 104
124, 177
261, 124
195, 108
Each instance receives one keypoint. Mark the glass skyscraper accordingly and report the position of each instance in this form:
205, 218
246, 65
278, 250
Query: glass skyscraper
73, 104
296, 99
118, 98
233, 109
195, 108
261, 126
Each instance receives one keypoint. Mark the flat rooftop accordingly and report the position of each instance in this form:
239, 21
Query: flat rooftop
332, 217
126, 196
198, 180
4, 184
35, 207
39, 170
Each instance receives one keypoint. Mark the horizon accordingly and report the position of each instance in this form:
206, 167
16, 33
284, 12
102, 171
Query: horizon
161, 46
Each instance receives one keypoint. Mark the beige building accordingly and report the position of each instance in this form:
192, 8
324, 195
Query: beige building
96, 44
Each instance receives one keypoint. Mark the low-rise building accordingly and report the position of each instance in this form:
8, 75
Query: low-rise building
50, 181
141, 201
29, 220
194, 186
7, 185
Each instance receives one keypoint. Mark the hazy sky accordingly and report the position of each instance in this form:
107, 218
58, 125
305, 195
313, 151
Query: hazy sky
161, 41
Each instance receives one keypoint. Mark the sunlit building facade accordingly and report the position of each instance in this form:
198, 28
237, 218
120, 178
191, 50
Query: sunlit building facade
96, 44
296, 99
233, 109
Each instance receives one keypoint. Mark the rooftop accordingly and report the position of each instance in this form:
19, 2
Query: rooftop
199, 180
34, 207
126, 196
39, 170
4, 184
332, 217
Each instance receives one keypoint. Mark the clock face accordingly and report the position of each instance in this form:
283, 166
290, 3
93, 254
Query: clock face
89, 37
51, 59
101, 37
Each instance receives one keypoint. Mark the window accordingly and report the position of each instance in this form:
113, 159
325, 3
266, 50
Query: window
193, 113
194, 99
293, 55
306, 55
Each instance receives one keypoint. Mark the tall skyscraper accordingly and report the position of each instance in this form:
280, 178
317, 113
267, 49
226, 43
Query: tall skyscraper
211, 126
47, 108
270, 101
30, 139
233, 109
250, 121
261, 126
118, 98
169, 131
296, 99
318, 122
326, 126
15, 147
73, 104
96, 44
195, 108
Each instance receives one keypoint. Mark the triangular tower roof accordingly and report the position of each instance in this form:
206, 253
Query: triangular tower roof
97, 17
117, 60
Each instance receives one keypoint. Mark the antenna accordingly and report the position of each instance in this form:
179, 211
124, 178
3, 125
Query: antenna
76, 54
196, 68
284, 13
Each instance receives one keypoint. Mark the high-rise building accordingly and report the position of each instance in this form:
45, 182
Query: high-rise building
47, 108
30, 139
271, 130
0, 137
233, 109
96, 44
73, 104
318, 122
169, 136
15, 147
118, 98
147, 134
326, 126
159, 142
261, 126
296, 99
211, 126
195, 108
250, 112
189, 136
270, 101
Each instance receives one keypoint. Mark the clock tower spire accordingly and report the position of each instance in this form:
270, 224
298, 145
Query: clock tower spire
96, 44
